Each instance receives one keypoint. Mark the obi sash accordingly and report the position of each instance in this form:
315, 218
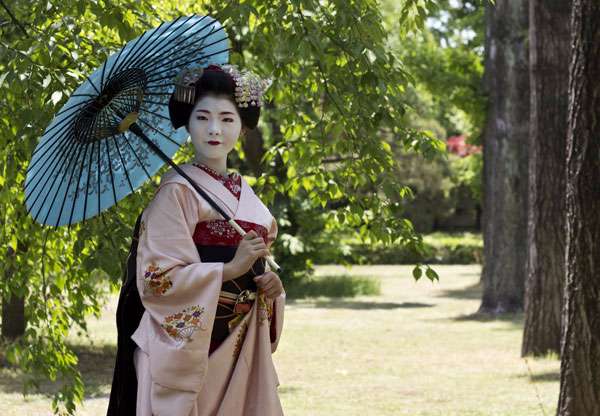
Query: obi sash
217, 241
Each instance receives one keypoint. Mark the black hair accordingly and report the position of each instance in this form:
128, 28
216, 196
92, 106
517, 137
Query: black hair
212, 82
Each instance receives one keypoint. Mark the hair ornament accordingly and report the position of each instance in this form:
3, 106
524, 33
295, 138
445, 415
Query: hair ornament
249, 87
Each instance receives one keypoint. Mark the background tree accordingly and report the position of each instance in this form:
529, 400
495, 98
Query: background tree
549, 73
505, 157
580, 346
337, 103
447, 98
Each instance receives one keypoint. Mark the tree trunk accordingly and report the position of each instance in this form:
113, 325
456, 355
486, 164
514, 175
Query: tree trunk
580, 346
505, 157
13, 307
549, 79
254, 149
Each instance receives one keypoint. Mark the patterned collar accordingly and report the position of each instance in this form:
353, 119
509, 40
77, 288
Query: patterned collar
231, 182
214, 173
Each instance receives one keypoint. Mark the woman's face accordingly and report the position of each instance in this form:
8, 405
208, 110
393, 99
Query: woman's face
214, 119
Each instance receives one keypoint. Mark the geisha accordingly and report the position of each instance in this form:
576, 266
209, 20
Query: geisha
200, 312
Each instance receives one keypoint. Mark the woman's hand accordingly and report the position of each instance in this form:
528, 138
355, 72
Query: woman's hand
251, 247
270, 283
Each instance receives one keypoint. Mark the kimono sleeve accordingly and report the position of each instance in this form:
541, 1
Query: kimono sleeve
279, 302
179, 293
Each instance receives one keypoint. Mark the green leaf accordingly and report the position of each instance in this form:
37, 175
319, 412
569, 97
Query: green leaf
2, 78
431, 274
417, 272
56, 96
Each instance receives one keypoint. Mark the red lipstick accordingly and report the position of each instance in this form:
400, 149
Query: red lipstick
213, 142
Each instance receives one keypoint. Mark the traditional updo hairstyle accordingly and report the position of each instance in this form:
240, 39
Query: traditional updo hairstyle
214, 81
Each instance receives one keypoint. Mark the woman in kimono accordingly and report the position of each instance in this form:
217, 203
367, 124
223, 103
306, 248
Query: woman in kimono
200, 313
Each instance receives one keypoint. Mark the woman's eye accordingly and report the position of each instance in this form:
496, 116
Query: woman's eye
201, 118
228, 119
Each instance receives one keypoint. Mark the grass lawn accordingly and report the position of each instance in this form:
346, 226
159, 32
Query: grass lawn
417, 349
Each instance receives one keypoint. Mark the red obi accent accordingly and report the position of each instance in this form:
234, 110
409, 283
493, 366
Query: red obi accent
233, 182
221, 233
242, 307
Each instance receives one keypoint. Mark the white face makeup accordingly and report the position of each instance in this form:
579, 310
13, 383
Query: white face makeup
214, 119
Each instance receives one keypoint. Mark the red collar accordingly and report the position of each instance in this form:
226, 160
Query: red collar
233, 181
214, 173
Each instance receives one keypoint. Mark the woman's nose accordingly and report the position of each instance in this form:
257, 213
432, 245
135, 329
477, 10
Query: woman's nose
214, 129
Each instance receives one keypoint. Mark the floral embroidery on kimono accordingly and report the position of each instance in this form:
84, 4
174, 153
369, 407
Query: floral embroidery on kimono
240, 339
265, 310
156, 281
142, 228
182, 325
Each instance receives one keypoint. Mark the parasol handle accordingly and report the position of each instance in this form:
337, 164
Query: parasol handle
135, 128
269, 257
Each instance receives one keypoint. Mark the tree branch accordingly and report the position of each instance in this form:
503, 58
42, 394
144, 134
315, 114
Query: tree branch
13, 18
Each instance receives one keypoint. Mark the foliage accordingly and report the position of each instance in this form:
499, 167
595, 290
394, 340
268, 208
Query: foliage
447, 60
447, 98
439, 248
442, 190
336, 107
58, 272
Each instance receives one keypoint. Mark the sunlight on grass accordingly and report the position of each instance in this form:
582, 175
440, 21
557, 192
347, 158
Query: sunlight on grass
418, 348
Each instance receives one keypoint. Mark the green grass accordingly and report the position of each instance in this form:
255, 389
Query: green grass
440, 239
343, 285
416, 349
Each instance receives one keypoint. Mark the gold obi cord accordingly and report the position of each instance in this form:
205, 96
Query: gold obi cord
239, 304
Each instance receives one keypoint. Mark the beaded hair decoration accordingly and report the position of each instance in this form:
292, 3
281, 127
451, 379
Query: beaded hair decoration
249, 87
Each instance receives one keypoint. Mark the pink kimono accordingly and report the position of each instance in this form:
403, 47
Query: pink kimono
182, 247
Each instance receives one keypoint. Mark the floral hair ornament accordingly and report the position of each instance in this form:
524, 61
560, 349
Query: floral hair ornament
249, 87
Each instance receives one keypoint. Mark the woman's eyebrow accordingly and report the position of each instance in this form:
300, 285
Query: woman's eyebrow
201, 110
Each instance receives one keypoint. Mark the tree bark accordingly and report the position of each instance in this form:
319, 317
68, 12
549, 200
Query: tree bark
13, 306
549, 78
505, 157
580, 345
254, 149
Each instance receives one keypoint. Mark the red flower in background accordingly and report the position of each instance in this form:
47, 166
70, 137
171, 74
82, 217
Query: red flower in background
459, 146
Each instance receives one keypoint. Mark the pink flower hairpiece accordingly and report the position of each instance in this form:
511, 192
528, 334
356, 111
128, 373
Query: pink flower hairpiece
249, 87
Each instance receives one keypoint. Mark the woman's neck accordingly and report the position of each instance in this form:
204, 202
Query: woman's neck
218, 165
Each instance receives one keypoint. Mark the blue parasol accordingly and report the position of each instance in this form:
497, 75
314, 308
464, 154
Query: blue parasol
114, 132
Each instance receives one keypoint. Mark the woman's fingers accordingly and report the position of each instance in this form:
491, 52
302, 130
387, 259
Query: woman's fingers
269, 285
273, 293
264, 279
250, 235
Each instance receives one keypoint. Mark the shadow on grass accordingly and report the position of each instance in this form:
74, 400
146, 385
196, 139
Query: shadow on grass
488, 317
469, 292
547, 377
341, 304
516, 318
96, 363
335, 303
